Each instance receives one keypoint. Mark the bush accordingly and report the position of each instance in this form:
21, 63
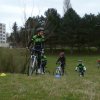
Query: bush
12, 60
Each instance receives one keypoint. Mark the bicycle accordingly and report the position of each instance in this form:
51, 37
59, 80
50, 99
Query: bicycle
33, 63
59, 70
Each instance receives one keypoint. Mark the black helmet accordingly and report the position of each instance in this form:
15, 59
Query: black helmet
40, 29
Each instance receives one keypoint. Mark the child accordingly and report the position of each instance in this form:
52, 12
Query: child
98, 63
43, 63
61, 60
80, 68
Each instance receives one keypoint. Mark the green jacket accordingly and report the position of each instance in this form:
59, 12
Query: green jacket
38, 39
80, 67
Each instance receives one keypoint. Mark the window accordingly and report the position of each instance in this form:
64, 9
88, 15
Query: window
3, 38
3, 41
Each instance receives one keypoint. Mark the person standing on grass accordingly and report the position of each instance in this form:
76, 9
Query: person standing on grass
62, 61
43, 63
98, 63
80, 68
38, 44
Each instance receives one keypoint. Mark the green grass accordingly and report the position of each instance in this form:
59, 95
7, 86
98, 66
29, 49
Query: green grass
47, 87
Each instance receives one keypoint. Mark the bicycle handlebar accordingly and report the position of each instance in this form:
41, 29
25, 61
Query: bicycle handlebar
41, 51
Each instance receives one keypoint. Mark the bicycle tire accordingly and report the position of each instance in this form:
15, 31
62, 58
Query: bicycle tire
32, 67
65, 73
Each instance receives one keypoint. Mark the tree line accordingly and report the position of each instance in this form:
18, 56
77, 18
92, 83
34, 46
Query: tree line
69, 30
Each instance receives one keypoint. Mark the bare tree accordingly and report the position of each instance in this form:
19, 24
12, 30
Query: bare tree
66, 5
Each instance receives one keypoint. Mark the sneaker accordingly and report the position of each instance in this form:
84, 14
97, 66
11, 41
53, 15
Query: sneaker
80, 75
39, 71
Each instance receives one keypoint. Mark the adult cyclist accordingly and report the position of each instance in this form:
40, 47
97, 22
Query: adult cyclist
38, 44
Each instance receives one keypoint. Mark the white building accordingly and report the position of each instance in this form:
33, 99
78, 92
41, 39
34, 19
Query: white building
3, 35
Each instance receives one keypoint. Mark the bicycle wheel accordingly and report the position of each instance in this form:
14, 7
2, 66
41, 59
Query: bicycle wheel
32, 66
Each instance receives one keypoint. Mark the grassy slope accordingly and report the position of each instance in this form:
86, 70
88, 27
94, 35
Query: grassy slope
47, 87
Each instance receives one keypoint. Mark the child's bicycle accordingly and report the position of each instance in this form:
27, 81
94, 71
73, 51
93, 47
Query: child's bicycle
58, 70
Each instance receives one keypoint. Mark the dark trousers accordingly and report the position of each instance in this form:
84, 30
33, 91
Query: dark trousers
81, 71
43, 65
38, 53
63, 68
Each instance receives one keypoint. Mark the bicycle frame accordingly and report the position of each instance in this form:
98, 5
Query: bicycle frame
33, 57
60, 68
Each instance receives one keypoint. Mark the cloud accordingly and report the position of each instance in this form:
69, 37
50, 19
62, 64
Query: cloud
82, 6
10, 14
13, 10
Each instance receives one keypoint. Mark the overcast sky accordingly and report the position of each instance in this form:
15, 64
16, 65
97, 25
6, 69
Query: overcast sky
13, 10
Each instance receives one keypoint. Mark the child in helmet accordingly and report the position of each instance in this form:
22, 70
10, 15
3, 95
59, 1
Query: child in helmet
43, 62
38, 44
62, 61
98, 63
80, 68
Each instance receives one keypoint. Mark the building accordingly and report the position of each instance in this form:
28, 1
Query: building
3, 35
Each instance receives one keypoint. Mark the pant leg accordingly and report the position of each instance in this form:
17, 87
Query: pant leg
39, 59
43, 66
63, 68
38, 52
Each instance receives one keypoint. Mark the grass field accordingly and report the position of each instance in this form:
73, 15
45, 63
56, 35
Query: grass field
47, 87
